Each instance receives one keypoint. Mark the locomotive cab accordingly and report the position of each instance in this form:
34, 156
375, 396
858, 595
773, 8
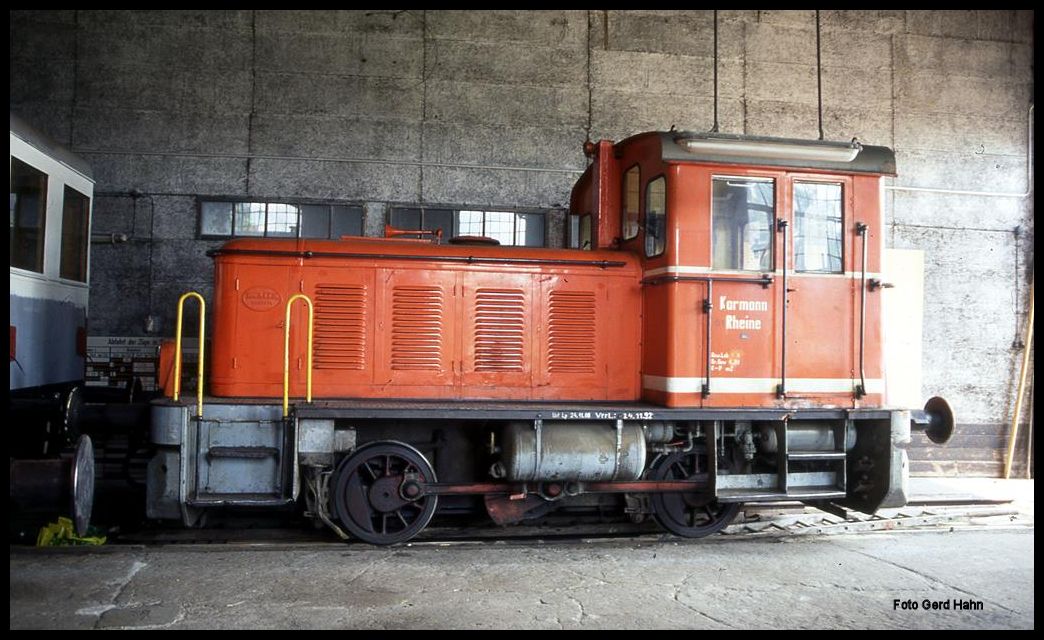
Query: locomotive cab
761, 265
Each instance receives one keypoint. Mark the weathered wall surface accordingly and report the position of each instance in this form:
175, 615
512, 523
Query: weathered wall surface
408, 107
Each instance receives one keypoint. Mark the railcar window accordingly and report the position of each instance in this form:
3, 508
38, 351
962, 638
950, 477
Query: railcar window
817, 227
656, 216
631, 186
28, 216
511, 228
742, 212
220, 219
75, 216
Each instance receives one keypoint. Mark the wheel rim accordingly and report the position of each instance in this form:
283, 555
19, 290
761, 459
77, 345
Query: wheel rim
694, 514
366, 493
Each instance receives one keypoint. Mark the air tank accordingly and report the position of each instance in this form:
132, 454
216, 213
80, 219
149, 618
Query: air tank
573, 451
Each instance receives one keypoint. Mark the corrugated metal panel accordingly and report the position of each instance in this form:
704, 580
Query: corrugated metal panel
571, 332
500, 324
417, 317
340, 326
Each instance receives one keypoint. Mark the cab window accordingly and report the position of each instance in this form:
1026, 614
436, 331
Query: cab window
631, 187
580, 232
742, 212
655, 216
817, 227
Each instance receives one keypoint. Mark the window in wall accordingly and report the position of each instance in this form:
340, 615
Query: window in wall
75, 217
425, 219
511, 228
742, 214
817, 227
28, 216
656, 217
220, 219
631, 182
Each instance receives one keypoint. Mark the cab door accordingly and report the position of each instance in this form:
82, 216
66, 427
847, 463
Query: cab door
819, 338
742, 309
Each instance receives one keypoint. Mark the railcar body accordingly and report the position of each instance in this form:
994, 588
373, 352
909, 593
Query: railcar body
52, 191
51, 194
714, 339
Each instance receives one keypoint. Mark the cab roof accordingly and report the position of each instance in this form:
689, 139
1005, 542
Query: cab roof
793, 153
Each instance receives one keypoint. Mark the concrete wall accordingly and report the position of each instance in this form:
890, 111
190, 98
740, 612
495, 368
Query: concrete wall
385, 107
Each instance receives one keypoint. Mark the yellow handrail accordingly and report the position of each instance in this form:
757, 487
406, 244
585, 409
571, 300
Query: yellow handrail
286, 351
177, 350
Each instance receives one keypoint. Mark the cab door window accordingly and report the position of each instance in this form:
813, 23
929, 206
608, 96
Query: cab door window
742, 215
817, 227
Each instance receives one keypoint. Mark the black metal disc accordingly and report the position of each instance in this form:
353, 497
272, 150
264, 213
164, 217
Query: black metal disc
694, 514
366, 496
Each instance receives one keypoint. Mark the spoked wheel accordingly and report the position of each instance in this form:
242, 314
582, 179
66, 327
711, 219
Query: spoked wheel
366, 493
689, 515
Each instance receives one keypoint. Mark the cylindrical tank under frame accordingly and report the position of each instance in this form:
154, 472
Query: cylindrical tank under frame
577, 451
805, 436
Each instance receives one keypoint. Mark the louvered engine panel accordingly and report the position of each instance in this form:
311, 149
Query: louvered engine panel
417, 328
340, 327
500, 326
571, 332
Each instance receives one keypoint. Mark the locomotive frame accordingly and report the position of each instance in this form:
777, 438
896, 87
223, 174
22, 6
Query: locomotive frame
426, 396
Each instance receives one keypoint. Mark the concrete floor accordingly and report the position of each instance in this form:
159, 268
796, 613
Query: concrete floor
845, 581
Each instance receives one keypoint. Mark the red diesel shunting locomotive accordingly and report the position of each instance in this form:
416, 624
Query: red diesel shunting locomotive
718, 342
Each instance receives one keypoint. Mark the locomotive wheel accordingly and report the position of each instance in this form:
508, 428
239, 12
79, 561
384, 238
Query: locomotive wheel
689, 515
366, 493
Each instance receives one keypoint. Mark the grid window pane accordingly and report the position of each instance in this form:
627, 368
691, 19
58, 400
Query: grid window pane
500, 225
406, 219
315, 220
743, 211
28, 214
439, 219
282, 221
817, 227
507, 227
215, 219
470, 223
347, 221
530, 230
74, 235
250, 218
